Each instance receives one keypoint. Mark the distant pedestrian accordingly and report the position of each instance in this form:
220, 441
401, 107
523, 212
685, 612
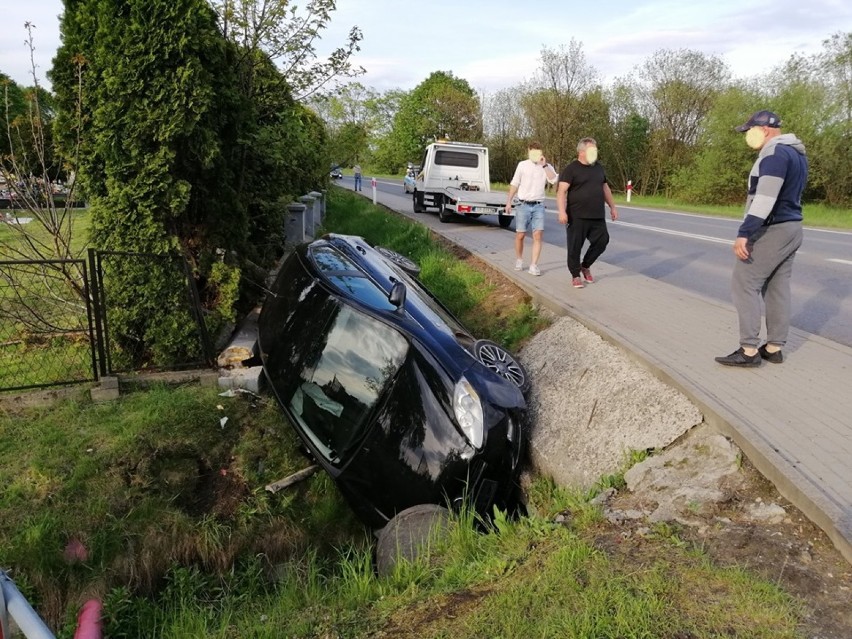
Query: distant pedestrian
531, 176
583, 190
357, 171
767, 240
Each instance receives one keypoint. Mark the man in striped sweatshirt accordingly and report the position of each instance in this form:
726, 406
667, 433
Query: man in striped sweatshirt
767, 241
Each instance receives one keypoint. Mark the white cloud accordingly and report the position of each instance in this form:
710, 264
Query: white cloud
495, 44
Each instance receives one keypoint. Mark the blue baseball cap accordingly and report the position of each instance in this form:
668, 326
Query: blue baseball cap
761, 118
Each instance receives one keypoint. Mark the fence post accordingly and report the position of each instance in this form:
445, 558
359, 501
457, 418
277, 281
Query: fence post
308, 201
294, 224
196, 310
319, 210
100, 331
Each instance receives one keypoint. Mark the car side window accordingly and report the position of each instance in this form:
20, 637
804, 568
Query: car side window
339, 388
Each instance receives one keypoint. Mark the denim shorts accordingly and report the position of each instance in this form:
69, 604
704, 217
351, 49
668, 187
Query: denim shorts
529, 215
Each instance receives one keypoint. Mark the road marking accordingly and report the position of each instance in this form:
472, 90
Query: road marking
839, 261
695, 236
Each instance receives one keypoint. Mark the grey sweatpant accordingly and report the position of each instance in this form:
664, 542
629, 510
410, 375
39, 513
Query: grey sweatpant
766, 274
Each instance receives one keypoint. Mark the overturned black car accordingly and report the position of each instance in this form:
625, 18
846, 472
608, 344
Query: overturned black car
386, 389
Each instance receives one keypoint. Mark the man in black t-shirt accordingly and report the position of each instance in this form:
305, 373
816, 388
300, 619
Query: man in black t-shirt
583, 190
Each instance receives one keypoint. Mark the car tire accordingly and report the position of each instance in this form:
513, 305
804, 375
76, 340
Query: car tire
400, 260
405, 536
500, 361
417, 199
504, 221
445, 214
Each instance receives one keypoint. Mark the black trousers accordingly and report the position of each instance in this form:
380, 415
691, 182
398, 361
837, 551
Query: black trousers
577, 233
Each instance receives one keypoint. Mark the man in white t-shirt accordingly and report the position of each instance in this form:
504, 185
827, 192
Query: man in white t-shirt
528, 183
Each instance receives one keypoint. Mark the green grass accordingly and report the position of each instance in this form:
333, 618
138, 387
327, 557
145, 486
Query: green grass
524, 578
79, 219
149, 483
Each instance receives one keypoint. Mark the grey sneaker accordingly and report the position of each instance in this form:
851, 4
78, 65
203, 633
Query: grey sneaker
534, 270
519, 265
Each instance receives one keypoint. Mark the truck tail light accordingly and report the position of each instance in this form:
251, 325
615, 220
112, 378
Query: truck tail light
464, 208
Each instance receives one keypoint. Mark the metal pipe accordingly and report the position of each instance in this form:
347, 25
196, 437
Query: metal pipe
13, 602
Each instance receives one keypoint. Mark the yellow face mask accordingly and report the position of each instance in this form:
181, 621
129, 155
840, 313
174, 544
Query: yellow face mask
591, 154
755, 137
535, 156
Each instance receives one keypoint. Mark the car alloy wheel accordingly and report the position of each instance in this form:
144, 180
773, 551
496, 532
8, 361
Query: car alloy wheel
400, 260
499, 360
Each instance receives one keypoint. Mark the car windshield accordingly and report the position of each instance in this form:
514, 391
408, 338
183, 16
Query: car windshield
339, 386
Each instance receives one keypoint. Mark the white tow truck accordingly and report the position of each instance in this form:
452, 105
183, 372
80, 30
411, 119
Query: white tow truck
455, 179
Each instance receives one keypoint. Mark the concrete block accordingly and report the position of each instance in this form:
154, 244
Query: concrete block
294, 224
319, 209
100, 395
108, 382
250, 379
309, 203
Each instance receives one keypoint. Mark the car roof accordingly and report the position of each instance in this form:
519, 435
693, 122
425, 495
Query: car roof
423, 316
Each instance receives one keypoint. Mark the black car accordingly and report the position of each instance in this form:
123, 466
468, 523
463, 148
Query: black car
395, 399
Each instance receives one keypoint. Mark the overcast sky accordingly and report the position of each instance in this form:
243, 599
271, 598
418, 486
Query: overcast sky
495, 44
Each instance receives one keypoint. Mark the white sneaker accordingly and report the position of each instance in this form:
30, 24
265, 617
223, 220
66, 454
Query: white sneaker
534, 270
519, 265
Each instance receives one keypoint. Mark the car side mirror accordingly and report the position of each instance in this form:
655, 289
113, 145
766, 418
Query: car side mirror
397, 295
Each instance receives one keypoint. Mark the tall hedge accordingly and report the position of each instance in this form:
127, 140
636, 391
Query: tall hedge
160, 103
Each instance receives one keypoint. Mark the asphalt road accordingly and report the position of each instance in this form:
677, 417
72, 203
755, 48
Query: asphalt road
694, 252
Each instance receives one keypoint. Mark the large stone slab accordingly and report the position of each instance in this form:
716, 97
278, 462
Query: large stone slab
591, 405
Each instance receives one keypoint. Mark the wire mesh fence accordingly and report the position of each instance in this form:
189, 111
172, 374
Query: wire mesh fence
164, 329
46, 335
70, 321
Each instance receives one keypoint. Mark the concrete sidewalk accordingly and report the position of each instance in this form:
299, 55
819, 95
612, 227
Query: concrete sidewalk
793, 421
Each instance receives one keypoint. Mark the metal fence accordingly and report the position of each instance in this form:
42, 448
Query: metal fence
71, 321
46, 329
129, 341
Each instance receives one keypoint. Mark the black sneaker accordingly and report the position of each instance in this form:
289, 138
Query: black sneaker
739, 358
774, 358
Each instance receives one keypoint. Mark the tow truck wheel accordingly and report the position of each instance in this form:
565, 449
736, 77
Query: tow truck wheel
417, 200
445, 214
504, 220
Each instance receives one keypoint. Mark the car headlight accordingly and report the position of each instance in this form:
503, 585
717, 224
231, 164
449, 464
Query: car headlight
468, 410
